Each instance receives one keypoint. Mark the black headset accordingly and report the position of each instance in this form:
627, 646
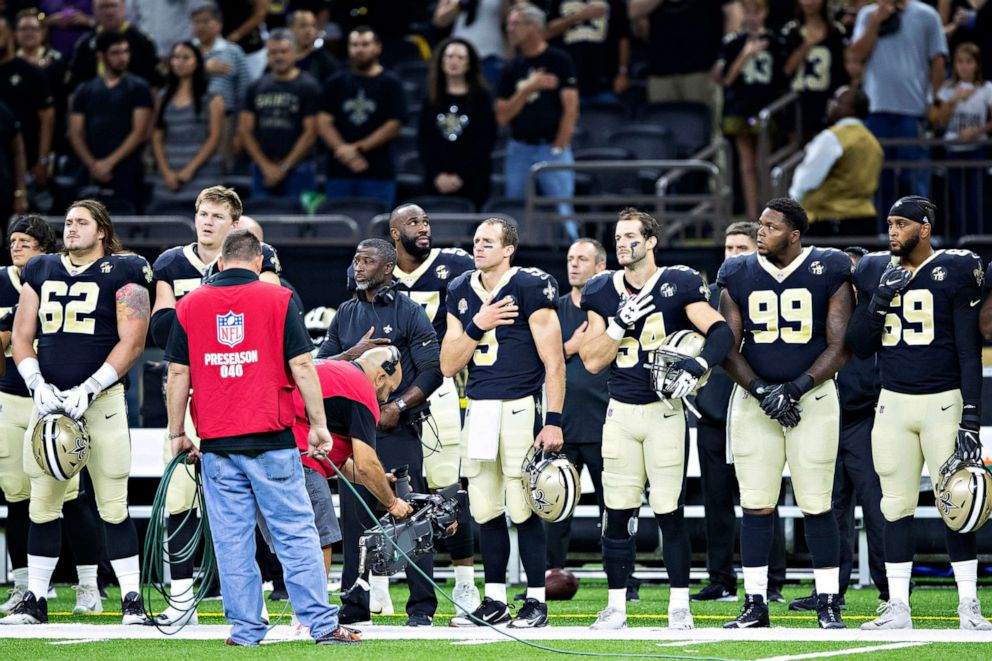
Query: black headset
386, 294
389, 366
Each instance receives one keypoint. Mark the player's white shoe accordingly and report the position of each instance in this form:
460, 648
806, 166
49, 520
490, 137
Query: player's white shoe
87, 600
970, 612
173, 617
14, 597
610, 619
297, 630
680, 619
380, 603
466, 597
893, 614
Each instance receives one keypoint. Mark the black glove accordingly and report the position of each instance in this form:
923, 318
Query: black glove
969, 445
758, 388
894, 279
783, 399
791, 416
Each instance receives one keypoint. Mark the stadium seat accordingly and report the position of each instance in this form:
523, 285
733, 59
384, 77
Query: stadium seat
273, 206
508, 206
409, 163
610, 181
443, 204
646, 142
180, 206
600, 120
688, 122
362, 209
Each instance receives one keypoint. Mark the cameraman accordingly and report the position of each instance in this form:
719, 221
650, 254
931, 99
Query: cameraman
377, 316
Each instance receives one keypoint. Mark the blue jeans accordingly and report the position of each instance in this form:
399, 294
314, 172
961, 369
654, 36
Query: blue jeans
379, 189
915, 181
234, 486
301, 178
556, 183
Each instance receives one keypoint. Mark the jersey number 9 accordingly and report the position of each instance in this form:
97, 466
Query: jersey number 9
69, 317
652, 335
917, 309
793, 306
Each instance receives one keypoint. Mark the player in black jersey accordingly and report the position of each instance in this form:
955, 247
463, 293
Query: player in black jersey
178, 271
918, 309
89, 309
31, 236
789, 307
645, 437
423, 273
502, 324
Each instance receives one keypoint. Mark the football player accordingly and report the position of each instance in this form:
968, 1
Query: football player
89, 309
918, 309
423, 273
31, 236
502, 324
645, 437
789, 307
178, 271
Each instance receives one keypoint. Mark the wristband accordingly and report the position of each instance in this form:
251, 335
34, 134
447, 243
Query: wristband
30, 371
614, 330
106, 376
474, 331
552, 418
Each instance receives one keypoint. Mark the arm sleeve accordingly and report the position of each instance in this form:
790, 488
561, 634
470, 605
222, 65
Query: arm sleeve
177, 350
332, 343
968, 342
425, 352
161, 326
296, 340
864, 333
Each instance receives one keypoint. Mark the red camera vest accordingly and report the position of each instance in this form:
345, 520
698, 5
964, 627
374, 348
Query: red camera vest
241, 382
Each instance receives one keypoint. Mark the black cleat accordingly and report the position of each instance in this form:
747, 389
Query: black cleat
489, 611
419, 620
828, 611
808, 603
754, 615
30, 610
133, 609
532, 614
633, 590
714, 592
775, 596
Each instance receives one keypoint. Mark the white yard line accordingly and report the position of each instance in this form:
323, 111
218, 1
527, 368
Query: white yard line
845, 652
78, 642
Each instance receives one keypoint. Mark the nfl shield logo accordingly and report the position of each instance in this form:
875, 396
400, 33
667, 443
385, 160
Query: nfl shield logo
230, 328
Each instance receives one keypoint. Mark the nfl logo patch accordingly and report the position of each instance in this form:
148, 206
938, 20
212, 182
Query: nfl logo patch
231, 328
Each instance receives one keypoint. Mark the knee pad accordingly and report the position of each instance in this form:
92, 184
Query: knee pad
47, 496
112, 509
619, 524
181, 495
16, 486
895, 508
516, 501
486, 494
441, 465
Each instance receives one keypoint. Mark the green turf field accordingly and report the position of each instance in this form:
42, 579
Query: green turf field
933, 608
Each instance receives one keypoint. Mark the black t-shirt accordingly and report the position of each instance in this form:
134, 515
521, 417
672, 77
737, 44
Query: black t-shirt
108, 112
235, 13
537, 123
819, 75
592, 44
280, 106
9, 128
684, 36
359, 106
24, 88
349, 418
587, 396
759, 80
320, 64
144, 59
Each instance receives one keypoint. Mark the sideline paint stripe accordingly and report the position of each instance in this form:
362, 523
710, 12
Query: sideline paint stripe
78, 642
855, 650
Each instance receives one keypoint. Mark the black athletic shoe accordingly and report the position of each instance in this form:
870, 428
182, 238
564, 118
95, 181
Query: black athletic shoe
490, 611
828, 611
808, 603
714, 592
351, 614
775, 596
279, 592
754, 615
419, 620
532, 614
133, 609
30, 610
633, 590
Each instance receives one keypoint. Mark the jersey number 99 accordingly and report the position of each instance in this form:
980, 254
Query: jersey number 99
793, 306
69, 317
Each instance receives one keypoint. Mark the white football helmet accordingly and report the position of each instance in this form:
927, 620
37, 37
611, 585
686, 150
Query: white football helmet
551, 484
61, 445
964, 495
676, 346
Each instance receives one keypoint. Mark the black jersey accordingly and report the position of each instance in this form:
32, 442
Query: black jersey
760, 79
673, 288
10, 293
784, 311
77, 314
919, 354
506, 364
182, 268
428, 283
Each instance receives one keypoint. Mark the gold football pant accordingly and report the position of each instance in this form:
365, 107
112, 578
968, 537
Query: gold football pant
181, 493
442, 437
761, 447
908, 430
644, 443
15, 444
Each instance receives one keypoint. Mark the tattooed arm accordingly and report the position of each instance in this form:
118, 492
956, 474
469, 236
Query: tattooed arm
133, 312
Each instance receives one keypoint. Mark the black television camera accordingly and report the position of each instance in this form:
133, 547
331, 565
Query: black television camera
434, 516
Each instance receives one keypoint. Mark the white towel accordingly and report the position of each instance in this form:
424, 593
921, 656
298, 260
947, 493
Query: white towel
483, 419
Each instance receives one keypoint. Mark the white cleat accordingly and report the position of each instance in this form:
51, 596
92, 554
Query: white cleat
14, 597
893, 614
970, 612
173, 617
297, 630
466, 597
680, 619
264, 615
380, 603
610, 619
87, 600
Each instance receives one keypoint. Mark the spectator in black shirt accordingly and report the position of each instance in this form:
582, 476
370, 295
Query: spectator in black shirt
362, 112
24, 88
537, 98
110, 17
278, 123
110, 120
457, 125
243, 21
13, 194
310, 53
596, 33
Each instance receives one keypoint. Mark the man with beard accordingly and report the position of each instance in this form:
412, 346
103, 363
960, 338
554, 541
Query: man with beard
918, 310
362, 112
376, 316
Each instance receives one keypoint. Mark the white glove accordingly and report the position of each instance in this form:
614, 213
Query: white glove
47, 398
685, 380
77, 400
634, 308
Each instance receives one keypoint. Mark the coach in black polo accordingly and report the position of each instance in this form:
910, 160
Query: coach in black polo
378, 314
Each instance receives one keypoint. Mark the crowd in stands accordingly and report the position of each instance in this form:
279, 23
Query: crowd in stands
303, 102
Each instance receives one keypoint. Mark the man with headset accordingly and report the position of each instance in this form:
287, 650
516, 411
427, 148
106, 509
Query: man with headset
378, 315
